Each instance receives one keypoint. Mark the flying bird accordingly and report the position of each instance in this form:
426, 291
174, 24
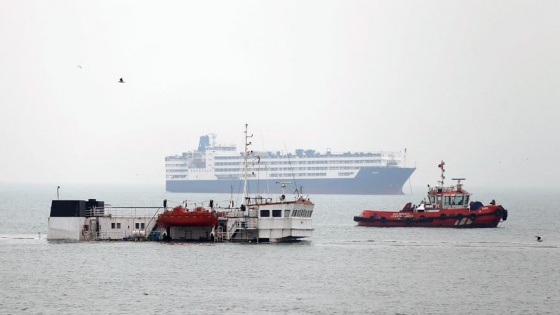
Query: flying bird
539, 239
121, 80
79, 66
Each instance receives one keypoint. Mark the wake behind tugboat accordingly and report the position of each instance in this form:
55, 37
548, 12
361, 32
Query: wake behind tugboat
444, 207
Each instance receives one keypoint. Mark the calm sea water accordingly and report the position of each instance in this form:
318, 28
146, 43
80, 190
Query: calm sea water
343, 268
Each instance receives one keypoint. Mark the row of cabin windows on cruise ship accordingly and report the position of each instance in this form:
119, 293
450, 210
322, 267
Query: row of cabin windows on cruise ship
294, 169
278, 213
306, 162
328, 156
290, 174
297, 174
175, 176
176, 170
182, 165
137, 225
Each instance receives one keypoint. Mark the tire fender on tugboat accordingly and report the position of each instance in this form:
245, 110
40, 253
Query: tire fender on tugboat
498, 212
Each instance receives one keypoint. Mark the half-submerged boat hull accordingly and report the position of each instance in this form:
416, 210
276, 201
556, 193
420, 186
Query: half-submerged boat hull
257, 219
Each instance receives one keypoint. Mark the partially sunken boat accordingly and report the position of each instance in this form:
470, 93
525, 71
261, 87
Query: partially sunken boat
445, 206
258, 219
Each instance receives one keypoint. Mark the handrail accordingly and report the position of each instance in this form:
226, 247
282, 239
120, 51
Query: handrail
149, 222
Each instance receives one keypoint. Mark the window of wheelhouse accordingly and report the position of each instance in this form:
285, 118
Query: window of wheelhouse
458, 200
276, 213
432, 199
466, 200
447, 200
286, 213
265, 213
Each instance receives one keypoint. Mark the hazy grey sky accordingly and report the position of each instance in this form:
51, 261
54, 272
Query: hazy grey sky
475, 83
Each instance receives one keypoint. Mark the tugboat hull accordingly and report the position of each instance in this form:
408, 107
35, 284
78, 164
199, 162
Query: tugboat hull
486, 217
444, 206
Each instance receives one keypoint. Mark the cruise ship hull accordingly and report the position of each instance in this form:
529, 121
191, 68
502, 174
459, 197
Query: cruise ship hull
368, 181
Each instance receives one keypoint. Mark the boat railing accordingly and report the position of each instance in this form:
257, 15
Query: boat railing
228, 233
238, 213
122, 212
237, 224
152, 223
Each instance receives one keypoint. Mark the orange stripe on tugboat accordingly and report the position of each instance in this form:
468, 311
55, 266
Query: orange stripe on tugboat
444, 207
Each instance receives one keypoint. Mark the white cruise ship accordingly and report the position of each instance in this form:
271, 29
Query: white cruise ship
216, 168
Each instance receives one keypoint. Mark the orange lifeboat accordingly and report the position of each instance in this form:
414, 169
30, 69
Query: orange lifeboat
181, 216
444, 207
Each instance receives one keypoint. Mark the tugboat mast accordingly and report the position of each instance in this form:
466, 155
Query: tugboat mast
441, 165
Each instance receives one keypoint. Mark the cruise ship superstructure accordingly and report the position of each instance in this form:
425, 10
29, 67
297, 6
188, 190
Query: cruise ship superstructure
216, 168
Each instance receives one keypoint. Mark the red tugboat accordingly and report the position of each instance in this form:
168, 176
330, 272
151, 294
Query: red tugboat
181, 216
444, 207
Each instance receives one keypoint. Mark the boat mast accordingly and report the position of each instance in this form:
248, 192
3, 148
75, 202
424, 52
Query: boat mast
441, 165
245, 167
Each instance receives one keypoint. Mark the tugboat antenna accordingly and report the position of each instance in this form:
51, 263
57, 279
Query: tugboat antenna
441, 165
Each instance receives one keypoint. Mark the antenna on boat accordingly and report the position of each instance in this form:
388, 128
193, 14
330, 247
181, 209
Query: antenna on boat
231, 196
441, 165
245, 167
213, 136
291, 168
57, 189
283, 185
459, 185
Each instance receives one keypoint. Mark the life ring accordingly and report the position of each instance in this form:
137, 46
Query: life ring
443, 216
84, 231
422, 218
472, 216
383, 219
459, 217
